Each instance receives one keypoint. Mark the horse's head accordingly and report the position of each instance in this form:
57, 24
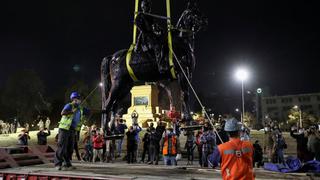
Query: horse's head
192, 19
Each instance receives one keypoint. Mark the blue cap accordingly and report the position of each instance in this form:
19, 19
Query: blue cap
232, 125
74, 95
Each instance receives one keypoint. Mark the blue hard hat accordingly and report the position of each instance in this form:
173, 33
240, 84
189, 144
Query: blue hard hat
232, 125
74, 95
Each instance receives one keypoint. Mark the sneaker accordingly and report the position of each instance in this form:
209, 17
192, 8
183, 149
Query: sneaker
58, 168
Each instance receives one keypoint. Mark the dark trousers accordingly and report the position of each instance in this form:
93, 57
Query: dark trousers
152, 153
205, 155
131, 151
88, 153
65, 147
190, 154
304, 155
200, 155
76, 147
145, 151
316, 155
157, 151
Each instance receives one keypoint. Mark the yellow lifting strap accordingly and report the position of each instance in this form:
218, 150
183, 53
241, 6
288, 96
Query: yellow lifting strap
129, 53
171, 65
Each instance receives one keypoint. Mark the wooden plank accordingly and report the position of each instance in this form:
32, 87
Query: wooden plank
8, 158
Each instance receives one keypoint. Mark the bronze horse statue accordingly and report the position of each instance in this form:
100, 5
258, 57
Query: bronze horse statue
117, 80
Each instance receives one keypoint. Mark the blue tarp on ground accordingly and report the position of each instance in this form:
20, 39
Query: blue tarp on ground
294, 165
311, 166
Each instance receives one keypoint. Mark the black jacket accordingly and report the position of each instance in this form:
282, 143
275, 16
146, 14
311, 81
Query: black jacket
302, 141
42, 137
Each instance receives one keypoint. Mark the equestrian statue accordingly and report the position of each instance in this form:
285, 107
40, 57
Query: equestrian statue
149, 59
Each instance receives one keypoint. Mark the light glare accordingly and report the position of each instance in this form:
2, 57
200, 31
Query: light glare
242, 74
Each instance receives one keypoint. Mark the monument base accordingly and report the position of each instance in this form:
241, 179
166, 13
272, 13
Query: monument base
144, 100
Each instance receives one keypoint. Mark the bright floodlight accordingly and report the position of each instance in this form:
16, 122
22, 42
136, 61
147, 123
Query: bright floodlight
101, 84
296, 107
237, 110
242, 74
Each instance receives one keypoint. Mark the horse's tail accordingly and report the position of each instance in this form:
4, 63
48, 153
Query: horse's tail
105, 78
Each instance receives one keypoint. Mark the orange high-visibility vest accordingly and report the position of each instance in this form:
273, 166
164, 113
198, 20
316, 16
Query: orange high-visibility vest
236, 160
173, 140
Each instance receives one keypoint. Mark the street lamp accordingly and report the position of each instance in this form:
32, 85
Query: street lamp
300, 115
242, 75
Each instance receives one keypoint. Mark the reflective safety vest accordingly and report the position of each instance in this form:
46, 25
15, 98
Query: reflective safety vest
170, 145
66, 120
236, 159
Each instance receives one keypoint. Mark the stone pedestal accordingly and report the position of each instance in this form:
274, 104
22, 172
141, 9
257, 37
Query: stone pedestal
144, 100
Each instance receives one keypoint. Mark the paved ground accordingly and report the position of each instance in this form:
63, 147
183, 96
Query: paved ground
122, 170
141, 171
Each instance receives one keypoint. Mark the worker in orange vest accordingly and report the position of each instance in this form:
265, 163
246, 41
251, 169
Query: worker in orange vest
170, 146
235, 155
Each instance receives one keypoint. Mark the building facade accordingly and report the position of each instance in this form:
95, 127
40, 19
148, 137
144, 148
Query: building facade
277, 107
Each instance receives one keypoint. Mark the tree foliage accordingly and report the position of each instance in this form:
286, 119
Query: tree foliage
307, 118
249, 119
22, 95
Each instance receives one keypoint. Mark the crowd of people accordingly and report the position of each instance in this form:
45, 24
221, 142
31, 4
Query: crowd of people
219, 145
24, 137
307, 139
7, 128
160, 142
153, 142
11, 127
308, 142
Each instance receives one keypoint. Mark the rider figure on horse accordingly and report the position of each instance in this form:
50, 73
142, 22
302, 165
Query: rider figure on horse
150, 37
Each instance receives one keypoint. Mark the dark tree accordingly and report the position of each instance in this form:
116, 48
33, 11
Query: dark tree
23, 95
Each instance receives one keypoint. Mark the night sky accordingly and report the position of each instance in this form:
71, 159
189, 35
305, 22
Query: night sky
278, 42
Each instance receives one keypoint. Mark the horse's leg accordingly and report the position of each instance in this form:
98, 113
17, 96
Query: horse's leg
185, 99
117, 92
113, 95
